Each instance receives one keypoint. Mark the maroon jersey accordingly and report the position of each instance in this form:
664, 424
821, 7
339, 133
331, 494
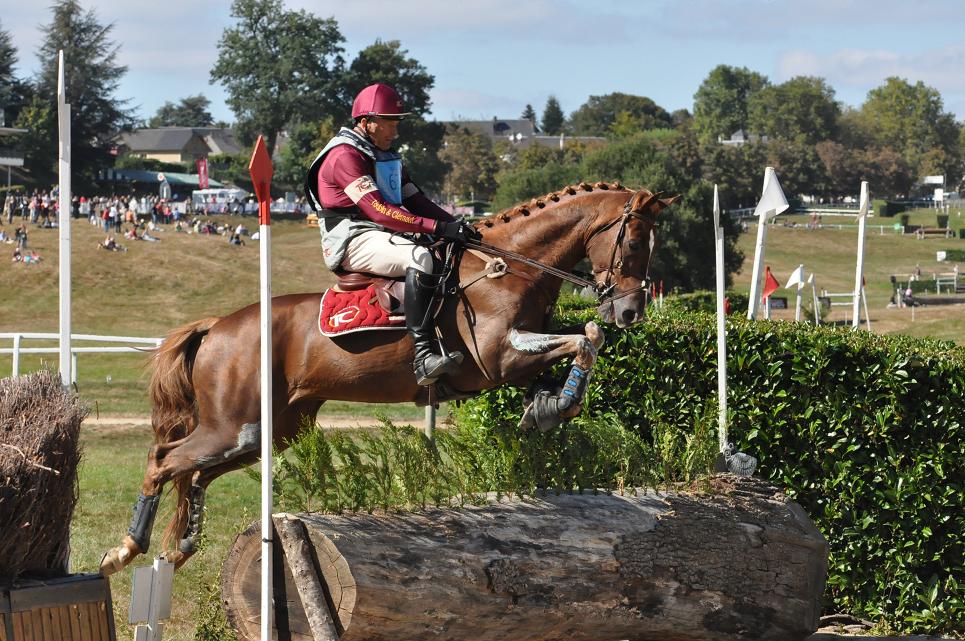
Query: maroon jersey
346, 180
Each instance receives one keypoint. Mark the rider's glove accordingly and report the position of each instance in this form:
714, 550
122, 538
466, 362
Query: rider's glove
457, 230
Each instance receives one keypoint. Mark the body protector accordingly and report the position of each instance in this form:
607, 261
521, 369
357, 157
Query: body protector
338, 228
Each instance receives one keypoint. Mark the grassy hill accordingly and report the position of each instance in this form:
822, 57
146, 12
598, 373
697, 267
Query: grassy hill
155, 287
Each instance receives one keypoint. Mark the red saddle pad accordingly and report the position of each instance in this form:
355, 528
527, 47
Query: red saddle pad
356, 311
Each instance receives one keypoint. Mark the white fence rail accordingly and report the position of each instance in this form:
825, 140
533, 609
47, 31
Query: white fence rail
19, 337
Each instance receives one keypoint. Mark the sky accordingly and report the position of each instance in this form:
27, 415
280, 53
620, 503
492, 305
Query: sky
490, 58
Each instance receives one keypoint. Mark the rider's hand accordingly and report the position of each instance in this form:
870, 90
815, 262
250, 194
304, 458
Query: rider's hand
457, 230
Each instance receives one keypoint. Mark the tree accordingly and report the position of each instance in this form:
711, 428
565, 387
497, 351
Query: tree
303, 143
598, 116
279, 67
681, 119
721, 101
92, 78
420, 140
190, 112
14, 93
553, 118
801, 109
473, 165
910, 118
842, 169
530, 114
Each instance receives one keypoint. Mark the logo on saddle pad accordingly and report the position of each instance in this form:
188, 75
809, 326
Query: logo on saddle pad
343, 317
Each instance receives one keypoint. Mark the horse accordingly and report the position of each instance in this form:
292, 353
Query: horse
205, 383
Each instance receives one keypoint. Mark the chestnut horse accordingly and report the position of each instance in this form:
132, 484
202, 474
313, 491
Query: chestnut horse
205, 382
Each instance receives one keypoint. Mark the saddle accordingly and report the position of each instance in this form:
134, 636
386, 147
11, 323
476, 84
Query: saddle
390, 292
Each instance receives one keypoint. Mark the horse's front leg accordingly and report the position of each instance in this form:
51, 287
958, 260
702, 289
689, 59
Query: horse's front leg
551, 404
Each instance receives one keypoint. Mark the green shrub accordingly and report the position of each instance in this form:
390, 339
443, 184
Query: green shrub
705, 301
956, 255
864, 431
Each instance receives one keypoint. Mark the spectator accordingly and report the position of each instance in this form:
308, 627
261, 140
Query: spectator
16, 255
21, 237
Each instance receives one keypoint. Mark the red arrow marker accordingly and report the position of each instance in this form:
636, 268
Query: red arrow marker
261, 172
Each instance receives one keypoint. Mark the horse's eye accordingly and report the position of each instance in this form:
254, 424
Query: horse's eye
634, 245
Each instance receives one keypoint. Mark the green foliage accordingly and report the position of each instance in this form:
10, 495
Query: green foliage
473, 165
955, 255
705, 301
598, 115
520, 185
721, 101
910, 118
191, 111
129, 161
529, 114
864, 431
553, 119
802, 109
293, 74
93, 77
305, 140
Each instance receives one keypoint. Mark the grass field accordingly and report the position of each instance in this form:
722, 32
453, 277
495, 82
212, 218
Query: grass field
152, 288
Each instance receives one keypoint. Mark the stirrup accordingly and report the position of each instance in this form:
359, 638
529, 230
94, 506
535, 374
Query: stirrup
445, 364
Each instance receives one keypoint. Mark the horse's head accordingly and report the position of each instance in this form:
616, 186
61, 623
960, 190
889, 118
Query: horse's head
620, 248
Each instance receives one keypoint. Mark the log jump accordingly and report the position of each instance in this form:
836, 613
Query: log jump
742, 562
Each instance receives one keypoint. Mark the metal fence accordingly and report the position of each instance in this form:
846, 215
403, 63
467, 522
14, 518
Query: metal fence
18, 348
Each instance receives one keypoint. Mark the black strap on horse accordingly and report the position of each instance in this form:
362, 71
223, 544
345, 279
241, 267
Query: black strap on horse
603, 289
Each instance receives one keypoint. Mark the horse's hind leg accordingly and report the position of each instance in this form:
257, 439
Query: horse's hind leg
176, 460
285, 427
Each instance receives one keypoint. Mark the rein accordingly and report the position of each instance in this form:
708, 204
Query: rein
602, 289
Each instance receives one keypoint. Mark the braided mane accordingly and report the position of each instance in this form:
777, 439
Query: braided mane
525, 209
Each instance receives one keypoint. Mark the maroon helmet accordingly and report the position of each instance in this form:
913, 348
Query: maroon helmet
378, 100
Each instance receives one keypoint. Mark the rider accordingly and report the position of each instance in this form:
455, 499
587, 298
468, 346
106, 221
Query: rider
365, 198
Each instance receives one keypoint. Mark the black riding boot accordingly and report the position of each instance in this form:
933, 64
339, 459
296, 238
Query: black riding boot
428, 365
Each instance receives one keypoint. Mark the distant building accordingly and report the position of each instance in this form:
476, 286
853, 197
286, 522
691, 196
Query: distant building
740, 137
178, 144
10, 157
519, 132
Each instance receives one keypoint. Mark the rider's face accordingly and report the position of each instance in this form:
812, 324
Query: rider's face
382, 131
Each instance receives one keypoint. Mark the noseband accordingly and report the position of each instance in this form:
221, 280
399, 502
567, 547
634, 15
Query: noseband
603, 289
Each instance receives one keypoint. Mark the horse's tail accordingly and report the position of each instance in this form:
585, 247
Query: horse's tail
173, 413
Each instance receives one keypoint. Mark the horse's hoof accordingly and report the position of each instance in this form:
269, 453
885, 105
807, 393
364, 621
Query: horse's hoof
176, 557
111, 562
595, 334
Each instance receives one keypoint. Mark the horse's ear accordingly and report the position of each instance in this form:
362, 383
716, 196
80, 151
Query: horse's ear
666, 202
642, 200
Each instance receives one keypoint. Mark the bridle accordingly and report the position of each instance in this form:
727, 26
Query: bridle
603, 289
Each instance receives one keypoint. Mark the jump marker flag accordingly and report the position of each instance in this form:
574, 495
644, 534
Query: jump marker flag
797, 278
770, 286
721, 329
63, 219
261, 172
771, 204
858, 276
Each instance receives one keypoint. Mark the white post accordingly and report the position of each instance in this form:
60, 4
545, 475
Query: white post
771, 204
16, 355
867, 316
63, 164
721, 330
858, 273
814, 300
430, 426
266, 432
755, 294
797, 301
73, 368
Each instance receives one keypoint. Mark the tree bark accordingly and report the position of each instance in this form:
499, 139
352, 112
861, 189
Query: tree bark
740, 562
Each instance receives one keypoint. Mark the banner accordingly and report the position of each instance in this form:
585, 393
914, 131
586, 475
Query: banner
202, 164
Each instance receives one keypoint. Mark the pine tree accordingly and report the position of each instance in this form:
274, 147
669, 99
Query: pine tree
530, 114
553, 118
92, 77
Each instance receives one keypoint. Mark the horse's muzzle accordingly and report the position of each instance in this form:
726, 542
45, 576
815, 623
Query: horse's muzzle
623, 312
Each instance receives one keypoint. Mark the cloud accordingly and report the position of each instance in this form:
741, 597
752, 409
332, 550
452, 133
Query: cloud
942, 68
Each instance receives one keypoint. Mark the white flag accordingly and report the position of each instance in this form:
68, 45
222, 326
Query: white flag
811, 279
772, 201
797, 278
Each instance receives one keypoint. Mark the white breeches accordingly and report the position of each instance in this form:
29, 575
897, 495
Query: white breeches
379, 252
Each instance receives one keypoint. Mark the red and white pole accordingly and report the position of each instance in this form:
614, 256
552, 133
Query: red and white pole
261, 172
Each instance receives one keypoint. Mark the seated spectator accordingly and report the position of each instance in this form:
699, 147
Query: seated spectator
148, 237
110, 244
241, 230
17, 257
31, 257
4, 238
235, 239
132, 234
179, 227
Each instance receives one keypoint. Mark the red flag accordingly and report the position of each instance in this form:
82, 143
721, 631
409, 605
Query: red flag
202, 164
770, 283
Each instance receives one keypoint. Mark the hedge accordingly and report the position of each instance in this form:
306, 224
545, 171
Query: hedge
865, 431
956, 255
